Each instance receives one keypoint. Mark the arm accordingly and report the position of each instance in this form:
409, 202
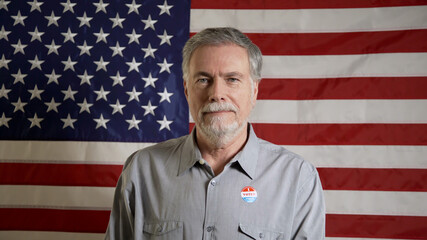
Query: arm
309, 216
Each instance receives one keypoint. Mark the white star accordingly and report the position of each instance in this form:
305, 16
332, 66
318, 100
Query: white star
149, 81
133, 37
19, 77
53, 48
134, 95
68, 6
101, 122
4, 92
4, 62
19, 106
52, 105
84, 20
149, 109
36, 35
19, 19
35, 121
102, 94
84, 106
165, 8
165, 66
69, 94
149, 23
69, 64
133, 7
35, 5
36, 63
69, 36
133, 65
117, 49
19, 47
84, 48
85, 78
101, 64
35, 93
101, 36
164, 123
117, 107
4, 33
118, 79
149, 52
53, 77
165, 38
100, 6
133, 123
117, 21
68, 122
52, 19
165, 95
3, 4
4, 120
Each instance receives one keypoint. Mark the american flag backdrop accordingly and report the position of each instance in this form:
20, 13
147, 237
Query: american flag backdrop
83, 84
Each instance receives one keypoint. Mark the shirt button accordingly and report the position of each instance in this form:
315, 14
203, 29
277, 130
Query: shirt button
160, 229
213, 182
261, 235
201, 161
210, 228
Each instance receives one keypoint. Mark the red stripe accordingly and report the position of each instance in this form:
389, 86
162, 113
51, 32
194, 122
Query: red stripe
340, 43
31, 219
374, 226
59, 174
343, 134
365, 179
344, 88
280, 4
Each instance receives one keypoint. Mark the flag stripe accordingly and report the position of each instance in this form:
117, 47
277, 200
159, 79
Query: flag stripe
373, 179
34, 219
58, 197
344, 88
372, 226
279, 4
60, 174
312, 20
41, 235
376, 202
362, 65
340, 43
107, 175
343, 111
343, 134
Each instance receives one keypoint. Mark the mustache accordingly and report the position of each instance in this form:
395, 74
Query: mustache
216, 107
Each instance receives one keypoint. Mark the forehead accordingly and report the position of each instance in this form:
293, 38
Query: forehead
227, 57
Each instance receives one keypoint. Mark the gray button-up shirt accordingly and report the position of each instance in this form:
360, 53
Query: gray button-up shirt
167, 191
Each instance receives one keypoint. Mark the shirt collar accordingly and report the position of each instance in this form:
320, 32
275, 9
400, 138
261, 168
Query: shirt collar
247, 157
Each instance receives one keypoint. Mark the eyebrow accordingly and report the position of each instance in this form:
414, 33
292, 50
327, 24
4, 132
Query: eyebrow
228, 74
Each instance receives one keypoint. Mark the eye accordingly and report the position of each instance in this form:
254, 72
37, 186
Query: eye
202, 80
232, 79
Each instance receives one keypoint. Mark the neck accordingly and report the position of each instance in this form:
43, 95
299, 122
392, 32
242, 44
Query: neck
218, 155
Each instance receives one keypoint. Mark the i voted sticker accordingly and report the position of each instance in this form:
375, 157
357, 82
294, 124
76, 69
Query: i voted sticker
249, 194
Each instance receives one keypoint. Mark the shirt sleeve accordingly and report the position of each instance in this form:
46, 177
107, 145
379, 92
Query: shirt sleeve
309, 217
122, 218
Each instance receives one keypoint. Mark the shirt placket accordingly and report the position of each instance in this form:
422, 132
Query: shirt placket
209, 231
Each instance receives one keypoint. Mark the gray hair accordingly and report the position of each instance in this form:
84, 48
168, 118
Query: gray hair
221, 36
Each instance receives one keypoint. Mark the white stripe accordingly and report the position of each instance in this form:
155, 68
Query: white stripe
356, 65
342, 111
376, 203
67, 151
36, 235
95, 198
363, 156
320, 156
312, 20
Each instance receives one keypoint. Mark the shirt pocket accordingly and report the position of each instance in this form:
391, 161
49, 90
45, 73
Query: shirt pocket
170, 230
258, 233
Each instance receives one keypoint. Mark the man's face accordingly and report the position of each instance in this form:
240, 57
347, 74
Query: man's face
219, 89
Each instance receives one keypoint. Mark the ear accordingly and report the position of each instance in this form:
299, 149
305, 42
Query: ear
255, 93
185, 89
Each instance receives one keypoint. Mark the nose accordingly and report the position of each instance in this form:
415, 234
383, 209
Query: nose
217, 91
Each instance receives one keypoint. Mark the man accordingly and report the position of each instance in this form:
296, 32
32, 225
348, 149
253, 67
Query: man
221, 181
